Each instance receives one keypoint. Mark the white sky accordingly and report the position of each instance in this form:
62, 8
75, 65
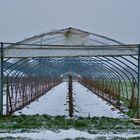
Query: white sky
117, 19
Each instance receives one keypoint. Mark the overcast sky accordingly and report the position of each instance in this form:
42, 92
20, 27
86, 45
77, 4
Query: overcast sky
117, 19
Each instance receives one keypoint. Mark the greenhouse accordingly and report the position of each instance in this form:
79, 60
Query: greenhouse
33, 66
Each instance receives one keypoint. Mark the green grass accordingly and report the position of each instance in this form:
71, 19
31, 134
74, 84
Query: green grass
92, 125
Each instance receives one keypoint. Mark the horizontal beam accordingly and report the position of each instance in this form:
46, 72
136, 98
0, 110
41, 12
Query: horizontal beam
32, 50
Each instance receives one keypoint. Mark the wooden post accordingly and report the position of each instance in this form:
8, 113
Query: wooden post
70, 97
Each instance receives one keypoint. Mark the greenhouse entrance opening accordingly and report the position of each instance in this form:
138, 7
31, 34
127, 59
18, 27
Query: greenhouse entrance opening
32, 67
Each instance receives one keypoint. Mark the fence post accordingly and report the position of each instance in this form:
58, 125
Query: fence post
1, 79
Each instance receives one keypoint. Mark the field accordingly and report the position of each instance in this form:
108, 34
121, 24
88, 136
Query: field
28, 127
48, 118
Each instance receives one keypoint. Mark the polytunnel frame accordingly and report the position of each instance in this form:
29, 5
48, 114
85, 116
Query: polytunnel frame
101, 69
106, 65
117, 80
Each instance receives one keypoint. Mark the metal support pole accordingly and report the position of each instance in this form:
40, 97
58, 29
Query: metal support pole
138, 116
1, 79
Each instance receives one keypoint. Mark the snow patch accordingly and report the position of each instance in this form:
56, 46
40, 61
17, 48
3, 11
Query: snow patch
86, 103
89, 104
63, 134
52, 103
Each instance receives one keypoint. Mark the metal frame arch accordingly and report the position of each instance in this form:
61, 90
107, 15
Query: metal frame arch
110, 72
119, 74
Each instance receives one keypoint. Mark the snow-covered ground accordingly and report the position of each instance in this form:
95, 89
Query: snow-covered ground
63, 134
89, 104
55, 103
86, 103
52, 103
